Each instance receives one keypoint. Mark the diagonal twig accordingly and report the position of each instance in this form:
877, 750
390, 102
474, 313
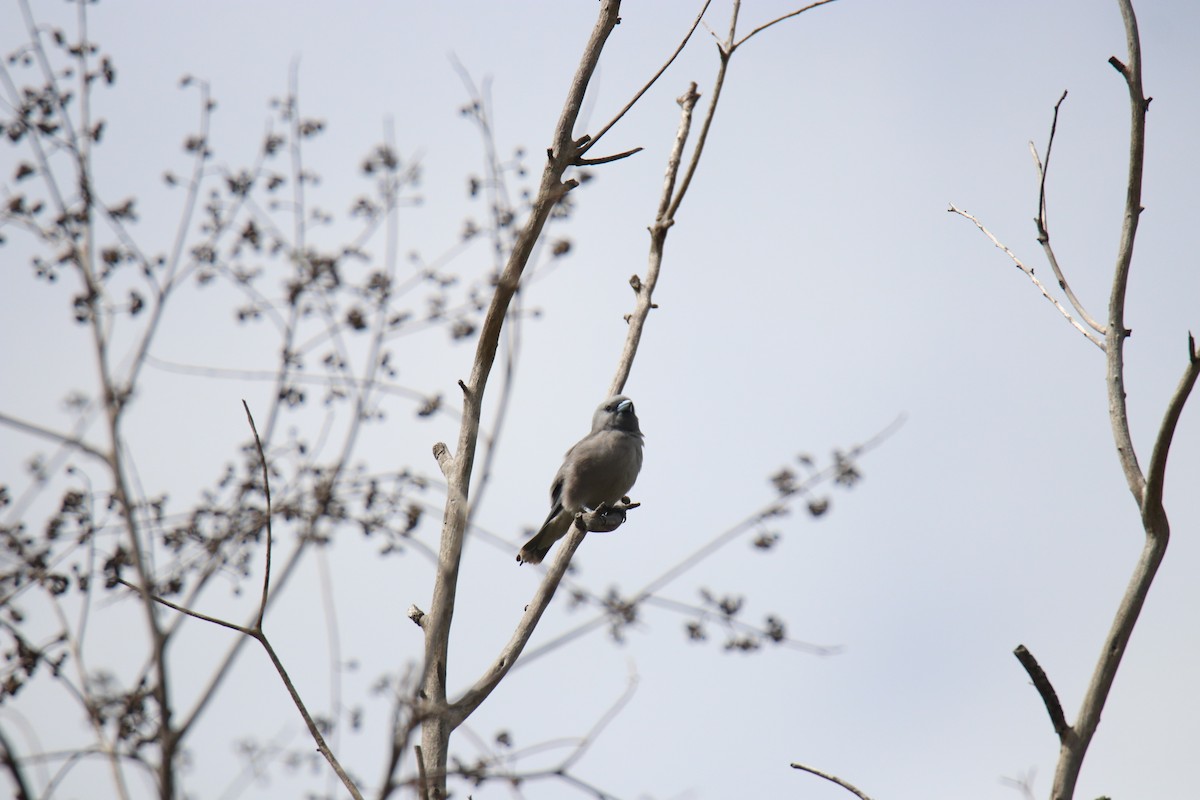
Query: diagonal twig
608, 126
1091, 336
859, 793
1042, 683
778, 20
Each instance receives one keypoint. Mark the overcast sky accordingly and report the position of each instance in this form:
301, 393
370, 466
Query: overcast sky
814, 289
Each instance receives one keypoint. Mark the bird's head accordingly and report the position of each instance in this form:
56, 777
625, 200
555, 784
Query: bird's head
616, 413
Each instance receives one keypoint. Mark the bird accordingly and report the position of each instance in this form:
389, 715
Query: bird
599, 470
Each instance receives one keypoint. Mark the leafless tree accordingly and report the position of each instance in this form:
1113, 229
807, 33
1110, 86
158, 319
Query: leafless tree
1108, 333
336, 315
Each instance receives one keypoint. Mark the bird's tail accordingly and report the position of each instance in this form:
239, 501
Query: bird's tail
555, 528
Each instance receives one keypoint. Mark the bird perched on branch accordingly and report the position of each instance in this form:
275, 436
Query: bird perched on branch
599, 470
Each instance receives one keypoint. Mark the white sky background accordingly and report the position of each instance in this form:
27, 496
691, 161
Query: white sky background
814, 289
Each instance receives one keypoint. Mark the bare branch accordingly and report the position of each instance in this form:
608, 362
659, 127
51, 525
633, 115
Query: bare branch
719, 541
1154, 518
580, 161
233, 626
262, 459
1117, 333
439, 720
1091, 336
607, 717
859, 793
725, 50
313, 730
1156, 474
1043, 225
54, 436
256, 631
597, 521
608, 126
444, 460
1075, 747
1045, 689
778, 20
658, 235
11, 763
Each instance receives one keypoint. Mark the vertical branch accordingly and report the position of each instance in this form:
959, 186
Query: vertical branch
658, 239
1117, 332
1149, 497
438, 724
116, 393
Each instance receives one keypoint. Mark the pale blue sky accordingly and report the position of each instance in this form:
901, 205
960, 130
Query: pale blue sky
814, 289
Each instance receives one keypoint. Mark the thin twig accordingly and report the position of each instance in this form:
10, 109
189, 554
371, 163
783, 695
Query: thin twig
313, 730
718, 541
778, 20
1043, 224
859, 793
1042, 683
1157, 470
256, 631
54, 436
602, 723
233, 626
725, 51
580, 161
10, 761
658, 235
1091, 336
608, 126
262, 459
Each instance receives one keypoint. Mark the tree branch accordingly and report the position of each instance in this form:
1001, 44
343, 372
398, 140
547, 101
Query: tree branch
1091, 336
438, 719
608, 126
1117, 333
11, 763
860, 794
1154, 518
1042, 683
1043, 224
473, 697
1156, 474
256, 630
54, 436
658, 235
778, 20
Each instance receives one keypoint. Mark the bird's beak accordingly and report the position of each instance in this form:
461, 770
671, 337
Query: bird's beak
624, 405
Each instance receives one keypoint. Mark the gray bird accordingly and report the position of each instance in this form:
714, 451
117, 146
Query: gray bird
600, 469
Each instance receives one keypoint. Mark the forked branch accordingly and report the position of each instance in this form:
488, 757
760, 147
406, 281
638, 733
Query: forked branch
1043, 224
256, 632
